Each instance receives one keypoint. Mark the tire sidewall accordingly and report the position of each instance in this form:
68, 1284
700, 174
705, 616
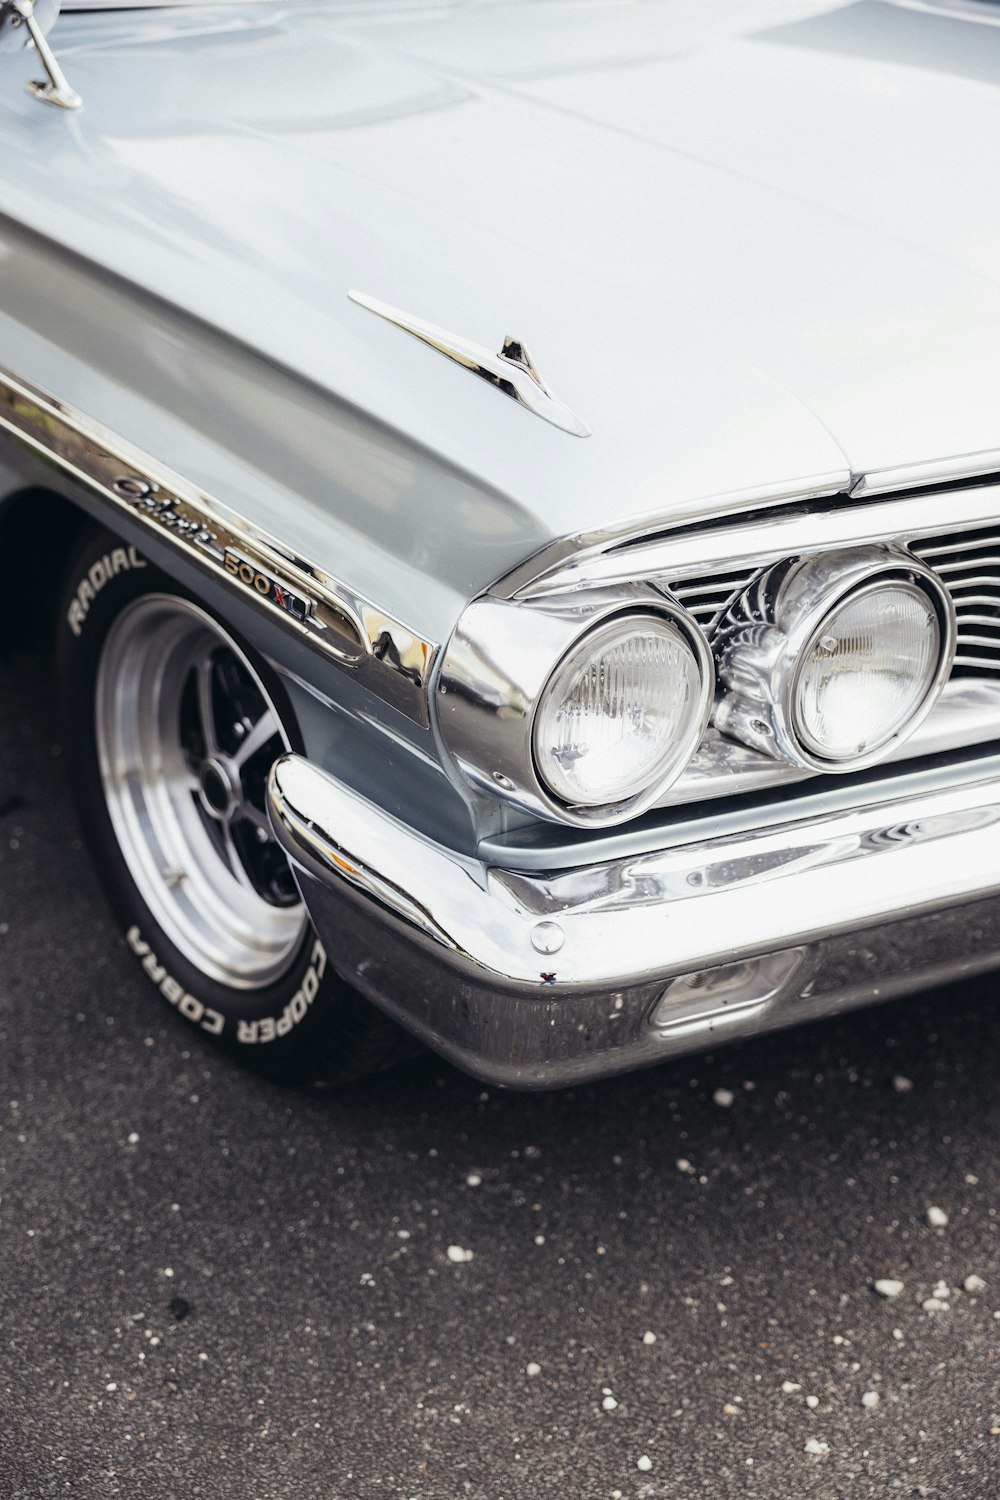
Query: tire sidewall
107, 575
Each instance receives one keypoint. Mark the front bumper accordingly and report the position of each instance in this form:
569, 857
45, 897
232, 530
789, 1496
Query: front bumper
533, 980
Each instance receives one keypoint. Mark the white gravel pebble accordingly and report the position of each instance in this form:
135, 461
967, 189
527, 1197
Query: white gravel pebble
609, 1403
644, 1463
942, 1290
788, 1386
473, 1180
815, 1446
887, 1286
111, 1386
812, 1402
936, 1217
870, 1399
532, 1369
458, 1255
902, 1085
724, 1098
934, 1305
683, 1165
649, 1337
133, 1139
974, 1284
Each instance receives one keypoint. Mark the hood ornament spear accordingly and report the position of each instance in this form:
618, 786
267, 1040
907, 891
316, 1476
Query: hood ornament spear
23, 23
511, 371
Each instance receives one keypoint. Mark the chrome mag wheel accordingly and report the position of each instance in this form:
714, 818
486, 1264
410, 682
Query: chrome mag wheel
186, 734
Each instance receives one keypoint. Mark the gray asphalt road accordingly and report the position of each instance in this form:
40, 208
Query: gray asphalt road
212, 1287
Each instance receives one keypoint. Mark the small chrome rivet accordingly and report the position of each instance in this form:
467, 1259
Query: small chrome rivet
547, 937
504, 781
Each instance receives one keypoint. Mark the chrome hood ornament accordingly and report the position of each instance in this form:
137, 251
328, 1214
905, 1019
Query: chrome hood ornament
23, 23
511, 371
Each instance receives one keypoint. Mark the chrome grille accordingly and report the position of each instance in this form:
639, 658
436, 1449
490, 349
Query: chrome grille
708, 598
969, 565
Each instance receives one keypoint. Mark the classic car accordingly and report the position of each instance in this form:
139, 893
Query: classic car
565, 709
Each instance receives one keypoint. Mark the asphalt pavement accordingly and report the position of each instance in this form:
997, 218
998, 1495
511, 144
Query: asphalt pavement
422, 1289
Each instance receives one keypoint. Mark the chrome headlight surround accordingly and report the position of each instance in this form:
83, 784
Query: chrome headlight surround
495, 673
763, 641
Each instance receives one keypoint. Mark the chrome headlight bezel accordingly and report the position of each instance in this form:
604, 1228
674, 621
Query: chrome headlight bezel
762, 643
496, 671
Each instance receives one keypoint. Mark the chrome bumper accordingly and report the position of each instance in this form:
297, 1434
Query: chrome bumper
534, 980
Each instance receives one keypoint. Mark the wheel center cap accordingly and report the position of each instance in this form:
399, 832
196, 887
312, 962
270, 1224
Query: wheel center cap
220, 791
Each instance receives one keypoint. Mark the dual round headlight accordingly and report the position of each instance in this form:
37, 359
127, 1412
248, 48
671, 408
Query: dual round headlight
585, 708
828, 662
622, 713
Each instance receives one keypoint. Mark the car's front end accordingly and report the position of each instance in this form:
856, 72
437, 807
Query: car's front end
828, 837
630, 694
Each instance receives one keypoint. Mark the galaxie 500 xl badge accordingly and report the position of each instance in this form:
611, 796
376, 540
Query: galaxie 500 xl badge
184, 521
263, 584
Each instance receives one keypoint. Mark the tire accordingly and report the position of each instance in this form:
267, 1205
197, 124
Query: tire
172, 725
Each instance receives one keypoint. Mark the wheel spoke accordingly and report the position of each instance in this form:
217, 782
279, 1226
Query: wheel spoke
236, 864
206, 707
265, 729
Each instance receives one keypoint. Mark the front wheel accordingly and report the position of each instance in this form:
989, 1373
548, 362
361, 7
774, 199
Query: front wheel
173, 726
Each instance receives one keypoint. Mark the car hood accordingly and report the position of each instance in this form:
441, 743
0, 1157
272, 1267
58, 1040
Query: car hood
756, 247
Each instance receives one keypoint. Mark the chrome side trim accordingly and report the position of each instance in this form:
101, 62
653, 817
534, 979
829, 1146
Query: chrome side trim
511, 371
390, 659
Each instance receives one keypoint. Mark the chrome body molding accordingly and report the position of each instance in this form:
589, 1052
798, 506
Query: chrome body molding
759, 646
494, 673
511, 370
838, 910
576, 561
931, 472
391, 660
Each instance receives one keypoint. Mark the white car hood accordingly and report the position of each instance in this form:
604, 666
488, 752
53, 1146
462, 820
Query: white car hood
754, 245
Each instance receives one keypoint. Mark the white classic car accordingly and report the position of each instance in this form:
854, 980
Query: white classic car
642, 691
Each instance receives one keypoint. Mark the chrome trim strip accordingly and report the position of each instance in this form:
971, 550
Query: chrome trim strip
573, 555
931, 471
758, 541
390, 659
511, 371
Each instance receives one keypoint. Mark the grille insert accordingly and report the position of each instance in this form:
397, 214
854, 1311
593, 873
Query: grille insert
968, 563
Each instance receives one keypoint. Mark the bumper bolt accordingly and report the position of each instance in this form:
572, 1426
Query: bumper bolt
547, 937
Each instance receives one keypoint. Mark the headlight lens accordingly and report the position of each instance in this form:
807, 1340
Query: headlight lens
622, 712
866, 671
